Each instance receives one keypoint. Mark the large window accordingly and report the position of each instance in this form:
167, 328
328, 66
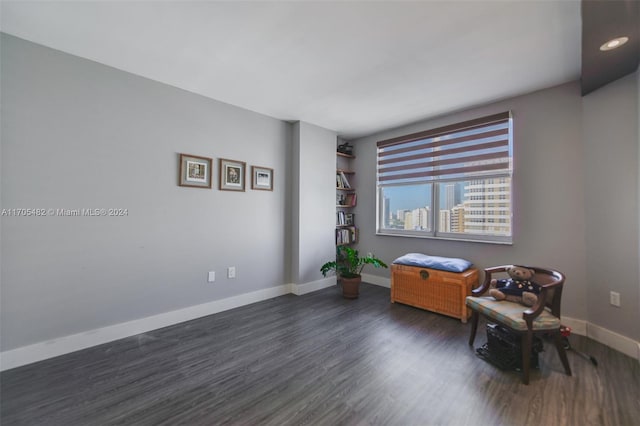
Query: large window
453, 182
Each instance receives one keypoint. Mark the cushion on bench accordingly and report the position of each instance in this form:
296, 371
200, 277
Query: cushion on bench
450, 264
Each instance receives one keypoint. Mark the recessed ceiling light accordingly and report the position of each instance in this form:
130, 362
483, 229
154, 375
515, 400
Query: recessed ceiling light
614, 44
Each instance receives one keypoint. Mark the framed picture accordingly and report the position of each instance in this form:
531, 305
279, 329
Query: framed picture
261, 178
231, 175
195, 171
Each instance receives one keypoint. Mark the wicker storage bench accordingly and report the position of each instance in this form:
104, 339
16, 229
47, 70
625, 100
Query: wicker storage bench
434, 290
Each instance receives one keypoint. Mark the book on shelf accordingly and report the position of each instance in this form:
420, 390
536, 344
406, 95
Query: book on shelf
345, 181
346, 235
346, 200
351, 200
341, 180
349, 218
344, 218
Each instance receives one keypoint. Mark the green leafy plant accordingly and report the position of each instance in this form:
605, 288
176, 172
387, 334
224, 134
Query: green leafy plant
349, 264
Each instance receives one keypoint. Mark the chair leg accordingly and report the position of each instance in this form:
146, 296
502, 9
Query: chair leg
527, 341
474, 327
557, 339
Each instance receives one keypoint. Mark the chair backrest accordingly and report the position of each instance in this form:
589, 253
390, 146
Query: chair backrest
552, 280
555, 280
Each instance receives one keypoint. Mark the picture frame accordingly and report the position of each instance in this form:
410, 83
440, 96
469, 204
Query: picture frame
195, 171
261, 178
232, 175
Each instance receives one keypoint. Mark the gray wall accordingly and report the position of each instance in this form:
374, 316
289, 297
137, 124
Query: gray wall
77, 134
313, 200
548, 196
611, 140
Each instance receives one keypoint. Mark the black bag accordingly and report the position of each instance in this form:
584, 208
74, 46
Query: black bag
503, 348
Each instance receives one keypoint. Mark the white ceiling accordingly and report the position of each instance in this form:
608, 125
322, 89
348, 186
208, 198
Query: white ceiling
353, 67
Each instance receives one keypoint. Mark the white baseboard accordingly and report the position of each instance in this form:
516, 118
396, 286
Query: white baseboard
67, 344
300, 289
614, 340
376, 280
605, 336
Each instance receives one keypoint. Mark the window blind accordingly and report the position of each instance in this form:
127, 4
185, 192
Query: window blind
470, 149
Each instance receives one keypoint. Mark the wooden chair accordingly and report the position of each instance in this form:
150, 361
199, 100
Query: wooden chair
543, 317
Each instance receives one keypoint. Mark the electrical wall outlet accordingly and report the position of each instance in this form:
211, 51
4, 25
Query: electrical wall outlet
212, 276
231, 272
614, 298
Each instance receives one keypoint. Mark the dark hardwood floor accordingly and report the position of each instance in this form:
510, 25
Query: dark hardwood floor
317, 359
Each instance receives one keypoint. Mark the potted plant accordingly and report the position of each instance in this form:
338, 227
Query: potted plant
348, 266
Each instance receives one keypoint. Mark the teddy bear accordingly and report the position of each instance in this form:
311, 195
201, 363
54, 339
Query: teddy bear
518, 288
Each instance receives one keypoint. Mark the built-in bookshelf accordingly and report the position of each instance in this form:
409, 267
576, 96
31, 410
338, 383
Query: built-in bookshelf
346, 200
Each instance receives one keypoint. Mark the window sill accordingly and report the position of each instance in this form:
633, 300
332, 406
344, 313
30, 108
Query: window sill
444, 238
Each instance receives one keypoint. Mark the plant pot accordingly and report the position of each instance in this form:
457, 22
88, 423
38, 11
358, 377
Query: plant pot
351, 287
